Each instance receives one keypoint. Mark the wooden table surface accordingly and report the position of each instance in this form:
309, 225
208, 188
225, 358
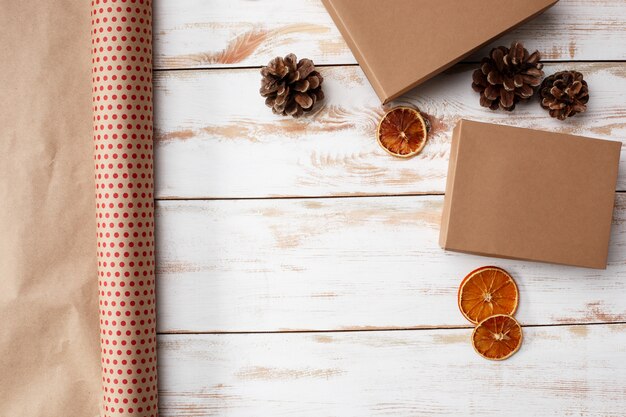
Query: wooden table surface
298, 265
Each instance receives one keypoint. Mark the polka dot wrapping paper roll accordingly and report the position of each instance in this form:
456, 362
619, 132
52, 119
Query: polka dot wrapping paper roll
122, 132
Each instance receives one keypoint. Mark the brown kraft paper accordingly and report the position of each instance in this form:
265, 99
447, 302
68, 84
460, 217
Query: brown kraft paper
529, 194
399, 44
49, 362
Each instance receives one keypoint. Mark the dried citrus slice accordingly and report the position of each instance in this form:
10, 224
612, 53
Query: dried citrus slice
402, 132
497, 337
487, 291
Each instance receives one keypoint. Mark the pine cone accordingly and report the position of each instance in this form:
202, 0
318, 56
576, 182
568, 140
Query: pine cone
564, 94
291, 87
507, 76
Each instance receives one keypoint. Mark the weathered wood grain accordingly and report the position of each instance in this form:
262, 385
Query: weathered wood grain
228, 33
348, 263
216, 138
559, 371
357, 263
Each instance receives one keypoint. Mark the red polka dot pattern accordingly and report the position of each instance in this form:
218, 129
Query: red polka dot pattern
122, 108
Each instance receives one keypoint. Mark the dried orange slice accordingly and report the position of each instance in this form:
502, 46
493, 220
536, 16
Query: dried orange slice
497, 337
487, 291
402, 132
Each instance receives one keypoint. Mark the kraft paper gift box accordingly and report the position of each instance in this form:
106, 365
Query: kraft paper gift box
402, 43
527, 194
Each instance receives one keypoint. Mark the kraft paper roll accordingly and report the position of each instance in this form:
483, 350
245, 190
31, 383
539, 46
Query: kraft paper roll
122, 124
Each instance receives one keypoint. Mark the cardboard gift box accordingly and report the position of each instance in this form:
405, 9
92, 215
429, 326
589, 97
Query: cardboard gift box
402, 43
527, 194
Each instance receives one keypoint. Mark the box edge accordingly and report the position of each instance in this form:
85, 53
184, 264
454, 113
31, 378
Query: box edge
361, 60
393, 96
447, 200
618, 152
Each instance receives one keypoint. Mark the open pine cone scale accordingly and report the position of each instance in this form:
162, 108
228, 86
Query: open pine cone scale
291, 87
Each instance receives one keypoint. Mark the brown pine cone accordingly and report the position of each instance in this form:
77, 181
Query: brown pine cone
507, 76
291, 87
564, 94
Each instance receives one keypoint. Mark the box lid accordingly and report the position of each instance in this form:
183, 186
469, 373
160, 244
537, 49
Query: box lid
402, 43
527, 194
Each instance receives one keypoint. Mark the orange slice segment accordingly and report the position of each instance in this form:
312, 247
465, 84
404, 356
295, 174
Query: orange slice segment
497, 337
487, 291
402, 132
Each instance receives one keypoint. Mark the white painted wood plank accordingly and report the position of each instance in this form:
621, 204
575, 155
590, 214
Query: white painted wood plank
216, 138
559, 371
348, 263
226, 33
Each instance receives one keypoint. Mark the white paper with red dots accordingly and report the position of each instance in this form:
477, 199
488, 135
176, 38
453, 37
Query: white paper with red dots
122, 119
